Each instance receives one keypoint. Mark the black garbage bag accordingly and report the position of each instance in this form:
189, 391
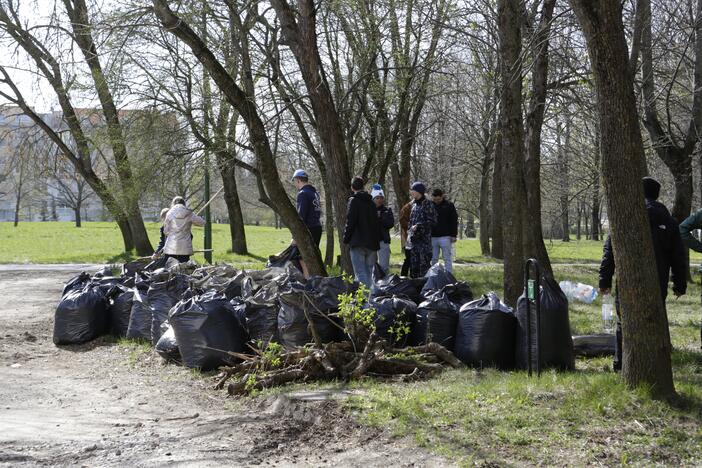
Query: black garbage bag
393, 285
378, 273
485, 333
162, 296
78, 282
556, 340
290, 255
103, 272
140, 318
395, 318
296, 305
107, 283
437, 320
437, 277
120, 310
459, 293
167, 346
325, 291
261, 322
81, 316
206, 327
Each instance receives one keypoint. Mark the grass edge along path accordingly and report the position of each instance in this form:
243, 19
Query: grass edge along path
100, 242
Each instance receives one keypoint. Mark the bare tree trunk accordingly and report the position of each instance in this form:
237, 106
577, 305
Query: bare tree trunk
534, 241
244, 103
18, 202
329, 228
231, 198
595, 214
78, 14
514, 190
484, 209
496, 227
646, 338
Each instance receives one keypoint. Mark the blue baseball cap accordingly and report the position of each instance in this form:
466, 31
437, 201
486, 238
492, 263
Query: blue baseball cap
300, 173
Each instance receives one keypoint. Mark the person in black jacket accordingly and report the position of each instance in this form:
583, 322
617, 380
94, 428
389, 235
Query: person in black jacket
445, 233
669, 252
386, 221
362, 232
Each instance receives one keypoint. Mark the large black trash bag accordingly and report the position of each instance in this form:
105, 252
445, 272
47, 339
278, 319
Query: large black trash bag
81, 316
437, 320
296, 305
120, 309
393, 285
378, 273
290, 255
325, 291
206, 327
140, 317
485, 333
261, 321
437, 277
103, 272
459, 293
162, 296
556, 340
78, 282
167, 346
392, 312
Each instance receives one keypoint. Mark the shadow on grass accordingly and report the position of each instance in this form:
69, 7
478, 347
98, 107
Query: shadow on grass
123, 257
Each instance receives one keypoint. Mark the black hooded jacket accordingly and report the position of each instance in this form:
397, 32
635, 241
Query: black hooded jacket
362, 225
667, 246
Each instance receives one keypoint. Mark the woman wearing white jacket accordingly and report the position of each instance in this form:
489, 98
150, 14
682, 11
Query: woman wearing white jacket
176, 227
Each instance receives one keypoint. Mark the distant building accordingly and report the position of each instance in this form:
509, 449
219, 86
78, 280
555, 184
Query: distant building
49, 187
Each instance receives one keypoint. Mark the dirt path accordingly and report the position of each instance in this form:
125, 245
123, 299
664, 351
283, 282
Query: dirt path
109, 405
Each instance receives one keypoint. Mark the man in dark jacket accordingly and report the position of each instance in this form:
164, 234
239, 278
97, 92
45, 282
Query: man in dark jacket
445, 233
694, 221
362, 232
386, 221
309, 207
668, 249
422, 221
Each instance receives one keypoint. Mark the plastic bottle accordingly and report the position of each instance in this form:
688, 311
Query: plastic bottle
608, 313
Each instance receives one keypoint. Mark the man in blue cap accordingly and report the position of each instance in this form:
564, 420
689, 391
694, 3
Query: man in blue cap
309, 207
423, 218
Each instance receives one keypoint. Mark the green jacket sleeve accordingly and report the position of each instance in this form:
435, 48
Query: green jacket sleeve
694, 221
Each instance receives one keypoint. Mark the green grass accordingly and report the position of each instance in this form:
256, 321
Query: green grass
96, 242
586, 417
484, 417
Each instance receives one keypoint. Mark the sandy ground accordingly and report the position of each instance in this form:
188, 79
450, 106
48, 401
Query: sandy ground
102, 404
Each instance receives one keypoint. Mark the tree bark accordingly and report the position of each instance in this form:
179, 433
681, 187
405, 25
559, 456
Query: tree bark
231, 197
646, 338
299, 30
78, 14
244, 103
496, 226
534, 240
514, 190
484, 208
677, 156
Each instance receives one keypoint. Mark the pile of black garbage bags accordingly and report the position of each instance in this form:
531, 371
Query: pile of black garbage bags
203, 316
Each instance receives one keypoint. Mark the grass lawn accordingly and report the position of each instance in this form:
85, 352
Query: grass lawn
484, 417
95, 242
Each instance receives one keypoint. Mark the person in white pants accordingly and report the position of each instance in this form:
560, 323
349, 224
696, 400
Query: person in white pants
445, 233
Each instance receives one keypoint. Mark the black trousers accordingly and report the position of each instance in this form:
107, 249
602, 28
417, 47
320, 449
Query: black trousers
406, 264
180, 258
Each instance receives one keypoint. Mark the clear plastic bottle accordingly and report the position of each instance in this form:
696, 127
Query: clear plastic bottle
608, 318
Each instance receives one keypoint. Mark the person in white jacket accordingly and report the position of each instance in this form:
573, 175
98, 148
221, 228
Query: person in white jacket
176, 227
